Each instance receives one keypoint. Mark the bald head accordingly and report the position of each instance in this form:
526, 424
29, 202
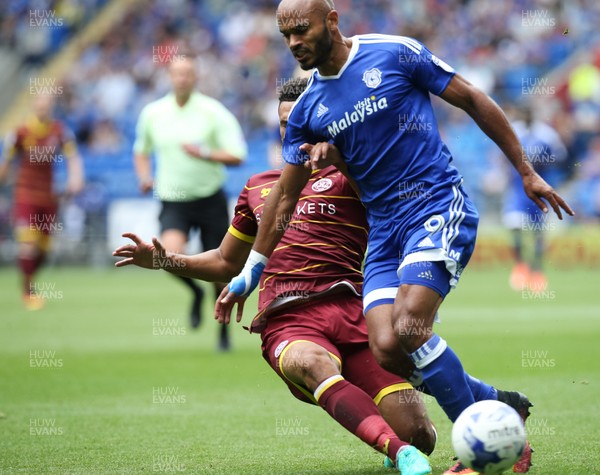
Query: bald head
297, 5
310, 28
290, 8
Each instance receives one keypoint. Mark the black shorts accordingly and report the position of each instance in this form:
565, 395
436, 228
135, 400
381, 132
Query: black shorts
209, 215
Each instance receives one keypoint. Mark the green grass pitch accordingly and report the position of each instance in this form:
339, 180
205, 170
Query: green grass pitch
108, 378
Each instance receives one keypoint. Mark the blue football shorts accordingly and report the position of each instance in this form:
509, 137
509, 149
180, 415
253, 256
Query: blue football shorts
432, 250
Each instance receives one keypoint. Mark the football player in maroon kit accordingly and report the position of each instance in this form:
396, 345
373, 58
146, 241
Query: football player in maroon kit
313, 333
34, 148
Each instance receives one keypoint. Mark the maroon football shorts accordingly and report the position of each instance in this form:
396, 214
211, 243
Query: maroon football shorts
335, 323
35, 223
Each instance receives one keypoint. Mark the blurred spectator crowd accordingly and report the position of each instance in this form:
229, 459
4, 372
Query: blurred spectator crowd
36, 29
543, 54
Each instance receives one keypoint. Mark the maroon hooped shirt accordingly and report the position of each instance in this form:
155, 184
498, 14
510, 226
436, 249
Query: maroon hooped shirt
323, 246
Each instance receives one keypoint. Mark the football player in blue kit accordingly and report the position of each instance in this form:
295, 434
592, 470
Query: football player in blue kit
547, 155
368, 104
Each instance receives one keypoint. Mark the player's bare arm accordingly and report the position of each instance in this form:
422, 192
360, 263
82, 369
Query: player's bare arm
279, 208
75, 180
494, 123
216, 265
143, 170
219, 156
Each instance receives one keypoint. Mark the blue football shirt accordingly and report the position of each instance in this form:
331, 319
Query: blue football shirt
546, 153
378, 112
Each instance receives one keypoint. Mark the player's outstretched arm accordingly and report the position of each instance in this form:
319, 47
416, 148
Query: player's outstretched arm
278, 211
216, 265
494, 123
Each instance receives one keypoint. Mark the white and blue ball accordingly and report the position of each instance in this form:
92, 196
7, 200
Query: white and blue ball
488, 437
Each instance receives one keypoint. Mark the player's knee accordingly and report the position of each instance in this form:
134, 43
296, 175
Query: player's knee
310, 365
385, 348
422, 434
411, 325
406, 414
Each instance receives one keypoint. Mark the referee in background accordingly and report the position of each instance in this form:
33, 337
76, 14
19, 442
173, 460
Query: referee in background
193, 137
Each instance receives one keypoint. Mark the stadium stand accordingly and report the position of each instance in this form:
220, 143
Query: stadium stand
515, 50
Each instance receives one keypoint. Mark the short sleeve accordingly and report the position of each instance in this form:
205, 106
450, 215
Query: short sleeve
244, 225
143, 140
296, 135
228, 134
425, 70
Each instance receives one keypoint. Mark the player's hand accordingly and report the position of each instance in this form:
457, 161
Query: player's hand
537, 189
321, 155
224, 306
146, 186
141, 254
248, 279
240, 287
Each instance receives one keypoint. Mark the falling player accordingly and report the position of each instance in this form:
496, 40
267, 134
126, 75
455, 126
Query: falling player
137, 254
34, 148
366, 96
310, 320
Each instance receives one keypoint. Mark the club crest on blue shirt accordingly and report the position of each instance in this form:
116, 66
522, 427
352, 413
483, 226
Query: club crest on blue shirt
372, 77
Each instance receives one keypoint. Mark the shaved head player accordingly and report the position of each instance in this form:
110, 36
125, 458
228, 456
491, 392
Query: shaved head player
310, 316
366, 99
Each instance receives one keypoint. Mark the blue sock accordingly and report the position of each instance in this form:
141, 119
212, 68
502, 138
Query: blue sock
444, 375
481, 391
